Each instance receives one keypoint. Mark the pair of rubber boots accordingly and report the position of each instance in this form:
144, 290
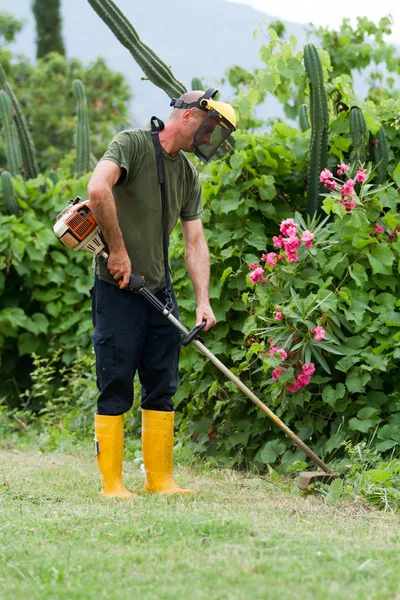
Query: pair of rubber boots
157, 444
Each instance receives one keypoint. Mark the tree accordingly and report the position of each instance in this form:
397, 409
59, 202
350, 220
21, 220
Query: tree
48, 27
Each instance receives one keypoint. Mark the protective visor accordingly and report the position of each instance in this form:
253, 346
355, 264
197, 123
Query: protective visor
211, 134
215, 128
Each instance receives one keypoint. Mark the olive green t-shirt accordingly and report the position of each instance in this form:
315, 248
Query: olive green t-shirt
139, 206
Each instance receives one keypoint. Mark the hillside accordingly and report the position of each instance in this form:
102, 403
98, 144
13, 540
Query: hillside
202, 43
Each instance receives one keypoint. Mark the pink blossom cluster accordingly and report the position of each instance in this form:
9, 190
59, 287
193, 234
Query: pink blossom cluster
342, 169
289, 240
326, 177
347, 188
380, 229
275, 350
319, 333
278, 371
302, 378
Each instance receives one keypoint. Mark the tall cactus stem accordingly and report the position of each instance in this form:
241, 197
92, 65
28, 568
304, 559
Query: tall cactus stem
380, 154
319, 128
27, 146
197, 84
303, 117
13, 151
154, 68
358, 134
8, 193
83, 131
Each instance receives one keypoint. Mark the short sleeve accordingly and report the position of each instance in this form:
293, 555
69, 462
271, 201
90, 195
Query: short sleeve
123, 151
192, 208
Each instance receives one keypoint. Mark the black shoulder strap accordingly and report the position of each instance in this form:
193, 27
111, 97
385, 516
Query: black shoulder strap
156, 126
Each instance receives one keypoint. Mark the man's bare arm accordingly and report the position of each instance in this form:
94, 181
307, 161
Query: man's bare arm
198, 262
102, 203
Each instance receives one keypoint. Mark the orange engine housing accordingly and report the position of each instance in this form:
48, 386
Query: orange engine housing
81, 223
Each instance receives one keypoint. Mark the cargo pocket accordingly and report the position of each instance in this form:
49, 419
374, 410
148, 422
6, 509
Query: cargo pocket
104, 348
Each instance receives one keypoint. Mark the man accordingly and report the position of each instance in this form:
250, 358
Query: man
130, 335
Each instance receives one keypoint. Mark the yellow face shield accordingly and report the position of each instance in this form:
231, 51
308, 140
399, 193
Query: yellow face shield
215, 128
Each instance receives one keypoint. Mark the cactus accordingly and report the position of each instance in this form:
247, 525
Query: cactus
27, 146
83, 132
303, 117
197, 84
380, 153
358, 134
13, 151
8, 192
154, 68
319, 128
93, 161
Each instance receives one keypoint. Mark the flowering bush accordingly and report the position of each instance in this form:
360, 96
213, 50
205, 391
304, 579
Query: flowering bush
325, 317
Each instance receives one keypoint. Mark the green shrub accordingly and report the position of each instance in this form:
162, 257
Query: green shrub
44, 287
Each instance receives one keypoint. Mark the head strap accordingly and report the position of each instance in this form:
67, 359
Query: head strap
179, 103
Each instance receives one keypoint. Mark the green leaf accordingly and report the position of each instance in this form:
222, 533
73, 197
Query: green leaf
396, 175
357, 380
361, 425
271, 451
27, 344
358, 273
381, 259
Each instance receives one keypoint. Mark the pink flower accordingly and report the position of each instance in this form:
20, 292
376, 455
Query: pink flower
294, 387
348, 188
285, 225
273, 350
277, 241
253, 266
349, 205
361, 175
393, 235
308, 369
325, 175
291, 245
303, 379
263, 280
256, 275
379, 229
270, 258
342, 169
278, 371
291, 232
278, 314
292, 258
283, 354
307, 238
330, 184
319, 333
280, 257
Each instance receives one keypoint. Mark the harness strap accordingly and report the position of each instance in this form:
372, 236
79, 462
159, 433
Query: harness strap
156, 126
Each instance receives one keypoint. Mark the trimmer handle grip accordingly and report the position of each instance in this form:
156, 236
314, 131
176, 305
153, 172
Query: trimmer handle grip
136, 283
193, 334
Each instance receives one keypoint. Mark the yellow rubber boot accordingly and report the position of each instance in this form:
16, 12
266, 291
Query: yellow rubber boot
157, 443
109, 437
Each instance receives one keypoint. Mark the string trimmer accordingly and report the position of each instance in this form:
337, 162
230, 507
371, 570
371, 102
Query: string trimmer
77, 229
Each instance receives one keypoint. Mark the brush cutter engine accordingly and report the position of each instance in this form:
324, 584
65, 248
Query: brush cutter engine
77, 229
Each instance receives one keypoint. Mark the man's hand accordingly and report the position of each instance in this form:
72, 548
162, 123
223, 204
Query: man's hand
119, 266
204, 313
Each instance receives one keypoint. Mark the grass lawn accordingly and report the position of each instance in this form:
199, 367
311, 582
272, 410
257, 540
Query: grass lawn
238, 538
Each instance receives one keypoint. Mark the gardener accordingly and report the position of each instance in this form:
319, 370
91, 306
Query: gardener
129, 335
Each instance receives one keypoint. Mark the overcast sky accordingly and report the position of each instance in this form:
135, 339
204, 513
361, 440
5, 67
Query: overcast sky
324, 13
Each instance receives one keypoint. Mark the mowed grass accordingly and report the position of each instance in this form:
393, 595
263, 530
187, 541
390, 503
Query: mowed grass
237, 538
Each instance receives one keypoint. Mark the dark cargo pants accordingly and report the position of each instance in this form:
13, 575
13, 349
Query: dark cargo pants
130, 335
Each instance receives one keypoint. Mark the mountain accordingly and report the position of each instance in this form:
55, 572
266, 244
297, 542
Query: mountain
195, 40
